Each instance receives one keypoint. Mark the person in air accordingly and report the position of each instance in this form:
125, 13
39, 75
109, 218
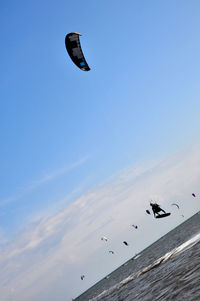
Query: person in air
156, 208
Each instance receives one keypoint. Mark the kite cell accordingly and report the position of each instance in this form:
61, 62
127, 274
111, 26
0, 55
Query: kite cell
73, 46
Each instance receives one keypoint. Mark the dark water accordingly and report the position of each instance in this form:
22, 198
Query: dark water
167, 270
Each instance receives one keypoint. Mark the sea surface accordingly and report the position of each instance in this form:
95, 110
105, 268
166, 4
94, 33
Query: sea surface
167, 270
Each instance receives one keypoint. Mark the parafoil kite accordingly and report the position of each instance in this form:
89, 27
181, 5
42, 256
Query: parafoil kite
176, 205
73, 46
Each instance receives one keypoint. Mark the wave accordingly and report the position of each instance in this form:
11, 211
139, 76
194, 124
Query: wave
176, 251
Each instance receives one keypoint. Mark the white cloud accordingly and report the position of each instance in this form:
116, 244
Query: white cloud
52, 253
54, 174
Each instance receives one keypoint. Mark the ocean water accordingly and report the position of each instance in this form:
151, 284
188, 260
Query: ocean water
167, 270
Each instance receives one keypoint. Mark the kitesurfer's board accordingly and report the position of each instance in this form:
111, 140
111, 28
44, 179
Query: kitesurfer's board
162, 215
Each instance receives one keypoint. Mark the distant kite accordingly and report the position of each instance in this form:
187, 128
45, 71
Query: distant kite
125, 243
112, 252
193, 195
135, 226
73, 46
176, 205
82, 277
104, 238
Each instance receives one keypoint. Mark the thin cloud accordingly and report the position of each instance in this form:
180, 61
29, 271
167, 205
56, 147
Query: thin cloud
47, 177
69, 241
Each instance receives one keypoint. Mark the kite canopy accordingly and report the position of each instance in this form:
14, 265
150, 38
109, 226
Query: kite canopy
73, 46
176, 205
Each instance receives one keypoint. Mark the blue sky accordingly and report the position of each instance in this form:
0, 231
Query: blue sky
64, 132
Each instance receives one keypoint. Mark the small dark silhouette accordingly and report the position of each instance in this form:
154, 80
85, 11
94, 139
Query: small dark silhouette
125, 243
156, 209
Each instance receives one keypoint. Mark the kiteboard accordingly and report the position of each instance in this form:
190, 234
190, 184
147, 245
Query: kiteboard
162, 215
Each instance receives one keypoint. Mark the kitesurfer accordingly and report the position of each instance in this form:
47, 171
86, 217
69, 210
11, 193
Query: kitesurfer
156, 209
